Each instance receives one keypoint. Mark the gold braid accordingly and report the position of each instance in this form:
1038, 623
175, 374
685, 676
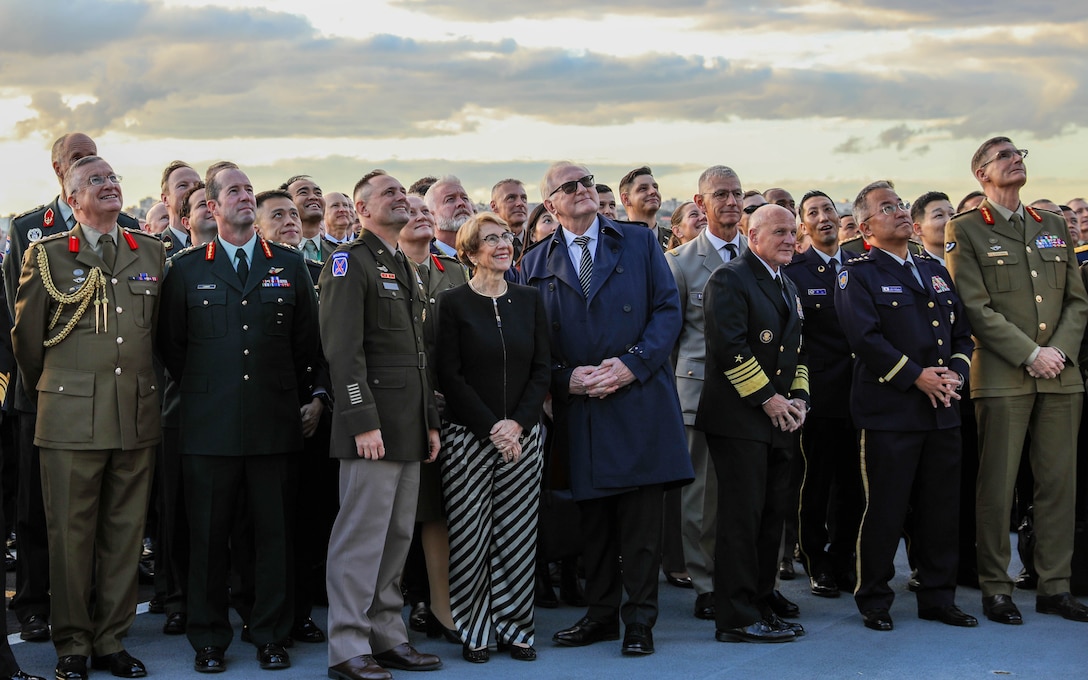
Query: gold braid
93, 288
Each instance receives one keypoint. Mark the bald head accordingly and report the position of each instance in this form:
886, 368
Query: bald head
772, 234
69, 149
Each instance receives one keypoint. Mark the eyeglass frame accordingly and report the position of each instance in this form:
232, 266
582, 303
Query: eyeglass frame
1022, 153
493, 239
570, 187
112, 178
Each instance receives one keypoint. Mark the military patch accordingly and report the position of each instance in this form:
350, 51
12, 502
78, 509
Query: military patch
998, 253
47, 220
948, 247
817, 291
1048, 241
391, 285
891, 289
387, 275
275, 270
766, 336
340, 264
939, 285
844, 276
205, 286
34, 234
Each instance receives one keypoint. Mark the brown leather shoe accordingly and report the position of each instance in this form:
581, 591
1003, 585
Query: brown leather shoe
362, 667
404, 657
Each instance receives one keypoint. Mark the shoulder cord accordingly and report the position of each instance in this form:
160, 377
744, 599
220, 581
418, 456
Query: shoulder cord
93, 288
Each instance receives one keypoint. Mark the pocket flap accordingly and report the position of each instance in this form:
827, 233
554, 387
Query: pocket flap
67, 381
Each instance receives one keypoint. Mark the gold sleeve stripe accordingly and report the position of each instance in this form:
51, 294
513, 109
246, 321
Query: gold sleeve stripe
748, 378
800, 379
966, 359
4, 379
895, 369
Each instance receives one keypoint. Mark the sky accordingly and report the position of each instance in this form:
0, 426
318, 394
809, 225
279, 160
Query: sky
800, 94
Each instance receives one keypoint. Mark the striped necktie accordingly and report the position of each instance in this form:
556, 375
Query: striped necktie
585, 267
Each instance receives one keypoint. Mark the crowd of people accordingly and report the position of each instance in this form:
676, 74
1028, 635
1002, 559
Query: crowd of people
384, 399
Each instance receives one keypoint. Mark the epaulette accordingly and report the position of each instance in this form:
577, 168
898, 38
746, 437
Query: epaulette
290, 249
20, 216
188, 251
924, 255
141, 233
51, 237
965, 212
860, 258
671, 251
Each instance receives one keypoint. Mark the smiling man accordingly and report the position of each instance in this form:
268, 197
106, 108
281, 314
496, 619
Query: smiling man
451, 207
641, 198
310, 202
1015, 268
98, 412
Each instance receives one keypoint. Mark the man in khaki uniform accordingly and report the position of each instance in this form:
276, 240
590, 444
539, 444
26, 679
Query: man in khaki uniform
84, 319
1016, 273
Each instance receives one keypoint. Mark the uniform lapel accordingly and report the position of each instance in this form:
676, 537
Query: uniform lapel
224, 268
710, 256
86, 254
766, 282
126, 256
1004, 227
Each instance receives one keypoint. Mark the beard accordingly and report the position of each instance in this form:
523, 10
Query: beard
452, 224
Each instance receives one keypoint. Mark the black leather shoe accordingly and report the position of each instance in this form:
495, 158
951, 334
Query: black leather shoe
704, 606
156, 606
1062, 604
210, 660
72, 667
121, 664
35, 629
1027, 580
586, 632
436, 629
362, 667
756, 632
878, 619
307, 631
786, 571
678, 580
522, 653
638, 639
404, 657
781, 624
783, 607
273, 656
20, 675
1001, 609
950, 615
823, 585
417, 619
175, 624
475, 655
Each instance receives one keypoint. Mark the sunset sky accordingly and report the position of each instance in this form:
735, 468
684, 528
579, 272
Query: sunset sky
795, 93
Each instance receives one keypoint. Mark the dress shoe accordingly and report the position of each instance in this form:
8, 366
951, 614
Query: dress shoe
638, 639
121, 664
156, 606
950, 615
520, 652
35, 629
72, 667
823, 585
1062, 604
878, 619
307, 631
786, 571
362, 667
781, 624
436, 629
781, 606
273, 656
404, 657
417, 619
759, 631
586, 632
1001, 609
20, 675
678, 580
175, 624
704, 606
1027, 579
475, 655
210, 660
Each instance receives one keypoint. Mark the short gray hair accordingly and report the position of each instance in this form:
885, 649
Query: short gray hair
861, 203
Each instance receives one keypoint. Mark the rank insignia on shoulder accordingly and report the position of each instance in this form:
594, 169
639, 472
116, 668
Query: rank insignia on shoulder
339, 264
843, 277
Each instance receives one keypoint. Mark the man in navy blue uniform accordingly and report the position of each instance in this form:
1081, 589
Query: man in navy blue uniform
831, 494
908, 329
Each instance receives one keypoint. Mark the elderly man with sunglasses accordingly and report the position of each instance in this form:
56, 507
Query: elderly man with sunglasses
1016, 271
614, 317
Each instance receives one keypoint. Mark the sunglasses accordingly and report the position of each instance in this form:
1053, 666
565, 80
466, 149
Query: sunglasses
572, 186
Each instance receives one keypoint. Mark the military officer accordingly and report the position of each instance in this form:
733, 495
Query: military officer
906, 325
85, 317
239, 329
1015, 269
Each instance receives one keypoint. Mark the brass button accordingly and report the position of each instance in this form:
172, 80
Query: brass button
1001, 261
1034, 274
778, 372
940, 362
1038, 298
691, 372
895, 303
205, 303
931, 304
245, 327
940, 341
1028, 249
113, 281
936, 323
245, 352
1042, 326
245, 377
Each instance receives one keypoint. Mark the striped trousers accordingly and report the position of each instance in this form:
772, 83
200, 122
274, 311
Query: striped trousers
491, 508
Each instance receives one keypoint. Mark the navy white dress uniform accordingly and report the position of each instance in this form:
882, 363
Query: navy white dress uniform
897, 325
243, 353
754, 351
831, 496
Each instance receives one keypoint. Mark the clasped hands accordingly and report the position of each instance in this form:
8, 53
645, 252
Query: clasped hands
601, 380
787, 415
1048, 364
506, 436
939, 384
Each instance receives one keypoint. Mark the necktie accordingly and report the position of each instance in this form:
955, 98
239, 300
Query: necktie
243, 265
310, 251
425, 277
71, 221
914, 272
836, 263
1017, 224
732, 248
585, 267
782, 287
109, 250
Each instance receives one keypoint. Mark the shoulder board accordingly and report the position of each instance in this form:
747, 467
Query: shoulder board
965, 212
40, 208
188, 251
282, 246
923, 255
1081, 249
139, 233
859, 259
51, 237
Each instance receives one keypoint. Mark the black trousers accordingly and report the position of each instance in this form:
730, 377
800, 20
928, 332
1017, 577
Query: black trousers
32, 567
831, 496
753, 483
627, 527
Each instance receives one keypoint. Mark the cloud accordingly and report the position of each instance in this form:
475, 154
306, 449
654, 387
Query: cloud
851, 145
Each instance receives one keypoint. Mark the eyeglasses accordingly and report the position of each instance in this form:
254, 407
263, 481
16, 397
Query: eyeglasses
1006, 154
572, 186
893, 208
99, 180
752, 208
506, 237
